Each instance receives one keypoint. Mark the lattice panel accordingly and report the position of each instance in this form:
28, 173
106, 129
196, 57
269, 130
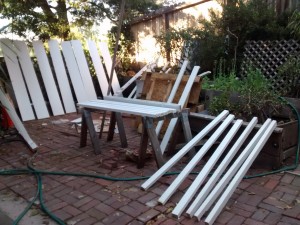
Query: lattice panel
268, 56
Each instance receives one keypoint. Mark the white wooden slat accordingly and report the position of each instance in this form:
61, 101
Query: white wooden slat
17, 81
173, 92
122, 107
199, 180
101, 75
108, 65
61, 77
48, 79
159, 173
220, 170
32, 83
214, 194
131, 80
182, 101
15, 118
239, 176
74, 72
144, 102
84, 69
193, 162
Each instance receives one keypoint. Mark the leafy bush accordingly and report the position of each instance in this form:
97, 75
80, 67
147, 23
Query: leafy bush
254, 96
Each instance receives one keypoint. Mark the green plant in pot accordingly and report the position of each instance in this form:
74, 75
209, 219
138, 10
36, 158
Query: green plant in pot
245, 97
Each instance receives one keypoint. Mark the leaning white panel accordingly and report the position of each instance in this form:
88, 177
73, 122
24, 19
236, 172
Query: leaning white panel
32, 83
231, 172
74, 72
101, 75
159, 173
48, 79
84, 69
220, 170
108, 65
17, 81
61, 76
191, 191
239, 176
189, 167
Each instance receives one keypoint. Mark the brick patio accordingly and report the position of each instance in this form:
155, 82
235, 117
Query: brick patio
274, 199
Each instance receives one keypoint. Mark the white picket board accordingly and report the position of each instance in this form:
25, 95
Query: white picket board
214, 194
61, 76
193, 162
17, 81
173, 92
74, 72
101, 75
239, 176
198, 181
108, 65
184, 97
220, 170
48, 79
182, 152
31, 80
16, 120
84, 69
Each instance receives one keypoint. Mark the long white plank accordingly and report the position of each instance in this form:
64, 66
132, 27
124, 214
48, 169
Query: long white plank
239, 176
123, 107
220, 170
108, 65
49, 83
173, 92
18, 84
214, 194
193, 162
182, 152
84, 69
15, 118
61, 76
74, 72
183, 99
101, 75
32, 83
199, 180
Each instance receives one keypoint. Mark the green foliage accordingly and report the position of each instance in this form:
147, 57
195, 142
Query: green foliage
224, 36
290, 73
251, 96
49, 18
294, 24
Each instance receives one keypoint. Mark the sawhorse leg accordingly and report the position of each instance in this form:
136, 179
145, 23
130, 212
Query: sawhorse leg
117, 118
87, 124
149, 132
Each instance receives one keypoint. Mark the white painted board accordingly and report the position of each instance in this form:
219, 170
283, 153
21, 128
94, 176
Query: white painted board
84, 69
17, 80
61, 77
32, 83
48, 79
